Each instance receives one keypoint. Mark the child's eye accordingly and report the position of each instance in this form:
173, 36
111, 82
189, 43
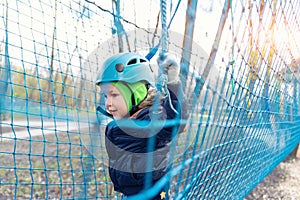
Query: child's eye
114, 94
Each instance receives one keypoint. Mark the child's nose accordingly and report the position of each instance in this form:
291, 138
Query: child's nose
108, 101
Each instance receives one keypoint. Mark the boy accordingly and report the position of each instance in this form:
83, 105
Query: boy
127, 82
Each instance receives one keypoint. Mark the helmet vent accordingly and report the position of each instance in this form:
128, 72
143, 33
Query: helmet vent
131, 62
142, 60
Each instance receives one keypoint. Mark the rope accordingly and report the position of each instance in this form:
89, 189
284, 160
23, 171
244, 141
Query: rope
162, 76
164, 34
161, 87
56, 149
154, 50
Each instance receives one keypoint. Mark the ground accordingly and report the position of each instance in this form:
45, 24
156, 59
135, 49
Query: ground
283, 183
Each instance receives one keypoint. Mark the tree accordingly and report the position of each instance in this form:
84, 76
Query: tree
5, 75
50, 88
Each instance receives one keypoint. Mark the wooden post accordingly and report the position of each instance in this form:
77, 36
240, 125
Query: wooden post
298, 151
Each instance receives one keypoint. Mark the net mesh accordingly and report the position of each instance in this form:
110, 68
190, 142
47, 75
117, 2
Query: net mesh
240, 71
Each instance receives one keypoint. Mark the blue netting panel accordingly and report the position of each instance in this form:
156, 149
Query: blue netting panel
240, 72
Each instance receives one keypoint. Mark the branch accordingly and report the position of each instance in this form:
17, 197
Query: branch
215, 46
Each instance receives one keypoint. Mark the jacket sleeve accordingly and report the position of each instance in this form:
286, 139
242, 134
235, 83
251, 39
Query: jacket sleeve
178, 97
176, 110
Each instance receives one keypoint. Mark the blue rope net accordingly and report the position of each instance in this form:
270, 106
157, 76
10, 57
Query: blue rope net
240, 71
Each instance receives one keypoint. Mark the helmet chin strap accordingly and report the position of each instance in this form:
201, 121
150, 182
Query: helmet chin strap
133, 110
104, 112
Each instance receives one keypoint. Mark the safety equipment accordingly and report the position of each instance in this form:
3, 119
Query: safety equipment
129, 67
131, 73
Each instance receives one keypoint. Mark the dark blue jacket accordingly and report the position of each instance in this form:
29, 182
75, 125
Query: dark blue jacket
127, 143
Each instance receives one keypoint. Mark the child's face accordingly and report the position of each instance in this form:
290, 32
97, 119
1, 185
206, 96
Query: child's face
114, 101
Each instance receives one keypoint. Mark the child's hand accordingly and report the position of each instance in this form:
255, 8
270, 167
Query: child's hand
169, 65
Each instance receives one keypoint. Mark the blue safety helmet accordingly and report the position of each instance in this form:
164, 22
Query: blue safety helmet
129, 67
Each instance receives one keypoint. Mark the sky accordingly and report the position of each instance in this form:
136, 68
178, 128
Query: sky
80, 33
33, 21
